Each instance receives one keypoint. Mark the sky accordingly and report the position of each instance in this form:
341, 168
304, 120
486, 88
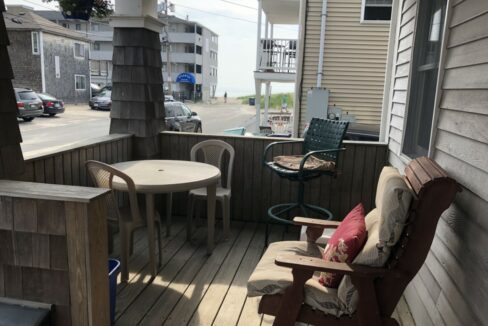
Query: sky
235, 21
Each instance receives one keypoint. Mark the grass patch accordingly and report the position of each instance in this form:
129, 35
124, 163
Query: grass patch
274, 101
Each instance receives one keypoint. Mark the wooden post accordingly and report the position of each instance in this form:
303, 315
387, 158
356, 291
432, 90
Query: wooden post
11, 159
54, 249
137, 80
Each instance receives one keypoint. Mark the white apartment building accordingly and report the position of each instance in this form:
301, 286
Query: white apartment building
193, 54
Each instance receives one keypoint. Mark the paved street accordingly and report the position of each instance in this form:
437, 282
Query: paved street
78, 123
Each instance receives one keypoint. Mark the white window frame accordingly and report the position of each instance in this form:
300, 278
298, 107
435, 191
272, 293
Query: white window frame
364, 21
82, 45
35, 36
95, 44
84, 78
406, 157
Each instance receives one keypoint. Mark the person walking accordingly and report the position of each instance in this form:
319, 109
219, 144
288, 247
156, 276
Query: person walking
225, 97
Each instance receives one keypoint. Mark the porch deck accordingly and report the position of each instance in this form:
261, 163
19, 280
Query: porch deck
192, 288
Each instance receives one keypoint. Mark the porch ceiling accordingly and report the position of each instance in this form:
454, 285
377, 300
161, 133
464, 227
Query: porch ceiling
282, 11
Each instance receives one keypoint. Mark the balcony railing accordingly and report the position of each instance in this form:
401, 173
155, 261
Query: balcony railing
278, 55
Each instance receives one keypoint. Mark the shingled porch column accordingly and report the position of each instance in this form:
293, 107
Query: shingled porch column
137, 81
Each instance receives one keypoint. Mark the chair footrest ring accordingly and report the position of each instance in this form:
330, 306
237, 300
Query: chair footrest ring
275, 212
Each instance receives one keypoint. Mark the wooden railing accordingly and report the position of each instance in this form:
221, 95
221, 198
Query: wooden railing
67, 166
255, 188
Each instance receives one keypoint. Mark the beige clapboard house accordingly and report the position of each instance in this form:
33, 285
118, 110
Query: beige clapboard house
354, 44
355, 51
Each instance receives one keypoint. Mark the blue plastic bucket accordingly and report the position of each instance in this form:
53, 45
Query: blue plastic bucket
113, 272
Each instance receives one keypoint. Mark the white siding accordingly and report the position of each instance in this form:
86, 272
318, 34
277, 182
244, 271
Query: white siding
452, 288
354, 59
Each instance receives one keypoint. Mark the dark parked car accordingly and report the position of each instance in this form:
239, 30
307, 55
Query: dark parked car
180, 118
29, 105
51, 105
102, 101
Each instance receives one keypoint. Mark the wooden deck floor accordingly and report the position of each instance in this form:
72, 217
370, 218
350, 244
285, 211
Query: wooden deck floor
195, 289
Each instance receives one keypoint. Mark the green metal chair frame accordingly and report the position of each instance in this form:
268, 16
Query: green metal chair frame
323, 139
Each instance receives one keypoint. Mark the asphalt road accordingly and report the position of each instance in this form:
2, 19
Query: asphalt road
78, 123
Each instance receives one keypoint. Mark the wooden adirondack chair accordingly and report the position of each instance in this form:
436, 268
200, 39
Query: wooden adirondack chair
379, 289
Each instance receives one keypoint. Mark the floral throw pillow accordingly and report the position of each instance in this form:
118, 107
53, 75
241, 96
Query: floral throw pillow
344, 245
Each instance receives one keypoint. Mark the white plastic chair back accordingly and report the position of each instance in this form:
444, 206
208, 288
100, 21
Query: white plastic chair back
213, 153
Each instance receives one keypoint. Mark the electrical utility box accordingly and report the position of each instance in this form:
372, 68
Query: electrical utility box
317, 103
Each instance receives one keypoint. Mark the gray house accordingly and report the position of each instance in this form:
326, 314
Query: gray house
193, 54
47, 57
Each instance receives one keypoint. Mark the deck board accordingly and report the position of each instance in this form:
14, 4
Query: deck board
192, 288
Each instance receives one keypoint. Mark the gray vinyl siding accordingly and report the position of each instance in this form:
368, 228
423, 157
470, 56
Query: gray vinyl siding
452, 287
354, 59
401, 74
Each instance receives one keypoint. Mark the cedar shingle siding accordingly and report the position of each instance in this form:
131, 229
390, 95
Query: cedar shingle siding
26, 66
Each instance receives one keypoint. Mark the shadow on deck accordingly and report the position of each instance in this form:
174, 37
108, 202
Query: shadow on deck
192, 288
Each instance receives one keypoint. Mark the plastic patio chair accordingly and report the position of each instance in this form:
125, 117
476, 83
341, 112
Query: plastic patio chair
213, 153
128, 217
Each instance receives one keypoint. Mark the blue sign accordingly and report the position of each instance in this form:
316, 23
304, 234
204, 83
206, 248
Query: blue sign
185, 77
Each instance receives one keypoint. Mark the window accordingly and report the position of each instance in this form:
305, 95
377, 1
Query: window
199, 30
199, 69
190, 68
169, 110
199, 49
95, 27
189, 48
79, 50
65, 25
80, 82
189, 29
376, 10
103, 68
78, 27
186, 110
35, 43
178, 111
94, 67
425, 69
96, 46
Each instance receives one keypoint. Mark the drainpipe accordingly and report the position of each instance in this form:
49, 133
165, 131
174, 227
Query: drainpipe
258, 57
41, 50
323, 23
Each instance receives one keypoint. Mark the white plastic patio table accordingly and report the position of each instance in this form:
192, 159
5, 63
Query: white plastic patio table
167, 176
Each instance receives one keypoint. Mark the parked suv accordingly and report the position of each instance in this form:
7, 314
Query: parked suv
29, 105
180, 118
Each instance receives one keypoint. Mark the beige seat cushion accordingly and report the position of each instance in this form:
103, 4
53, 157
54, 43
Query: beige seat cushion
384, 224
292, 162
393, 198
269, 278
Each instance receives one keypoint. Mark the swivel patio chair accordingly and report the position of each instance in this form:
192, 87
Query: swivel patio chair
213, 153
130, 217
374, 282
320, 151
